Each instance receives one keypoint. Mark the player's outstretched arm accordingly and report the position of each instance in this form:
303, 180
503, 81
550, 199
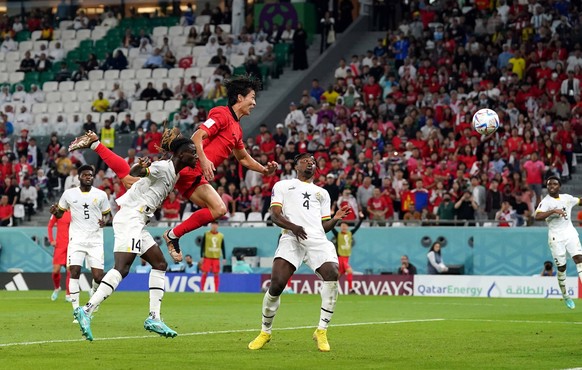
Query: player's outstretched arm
341, 213
280, 220
140, 169
249, 162
542, 215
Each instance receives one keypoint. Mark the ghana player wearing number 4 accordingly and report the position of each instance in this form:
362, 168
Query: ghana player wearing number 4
88, 206
302, 209
556, 209
215, 140
132, 239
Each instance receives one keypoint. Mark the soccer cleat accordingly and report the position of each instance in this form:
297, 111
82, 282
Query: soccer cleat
84, 322
288, 290
68, 298
569, 303
173, 246
75, 321
84, 141
158, 326
320, 336
262, 339
55, 294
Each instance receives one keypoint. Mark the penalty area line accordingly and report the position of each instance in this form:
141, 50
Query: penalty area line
234, 331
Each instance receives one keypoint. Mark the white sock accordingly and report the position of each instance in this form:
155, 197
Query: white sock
270, 307
579, 269
108, 285
172, 235
94, 144
74, 292
562, 283
329, 292
157, 283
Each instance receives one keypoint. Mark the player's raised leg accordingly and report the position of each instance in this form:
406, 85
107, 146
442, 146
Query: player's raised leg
329, 292
281, 273
205, 196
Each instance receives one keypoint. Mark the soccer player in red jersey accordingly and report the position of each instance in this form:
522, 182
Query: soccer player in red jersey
60, 256
215, 140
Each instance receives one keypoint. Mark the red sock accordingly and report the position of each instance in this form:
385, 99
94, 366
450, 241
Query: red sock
198, 218
350, 280
67, 281
203, 281
56, 279
115, 162
216, 282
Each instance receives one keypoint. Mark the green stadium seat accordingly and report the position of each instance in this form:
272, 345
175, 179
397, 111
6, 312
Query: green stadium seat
32, 76
207, 104
221, 102
239, 71
22, 36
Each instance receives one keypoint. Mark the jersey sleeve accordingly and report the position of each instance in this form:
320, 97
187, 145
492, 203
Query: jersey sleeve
156, 168
105, 206
214, 122
325, 206
64, 201
573, 201
277, 195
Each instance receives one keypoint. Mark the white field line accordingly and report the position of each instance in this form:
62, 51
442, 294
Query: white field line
213, 332
520, 321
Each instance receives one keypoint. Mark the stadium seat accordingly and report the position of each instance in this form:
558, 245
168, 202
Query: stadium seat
3, 77
159, 116
68, 34
160, 31
15, 77
139, 116
55, 108
111, 75
201, 20
19, 211
175, 31
53, 97
83, 34
155, 105
66, 86
39, 43
183, 51
237, 60
69, 45
206, 72
13, 57
254, 217
98, 85
145, 73
172, 105
96, 75
39, 108
198, 50
138, 105
72, 107
83, 85
186, 215
176, 73
68, 96
237, 217
127, 74
225, 27
65, 25
98, 33
160, 73
50, 86
86, 96
35, 35
25, 45
177, 41
85, 107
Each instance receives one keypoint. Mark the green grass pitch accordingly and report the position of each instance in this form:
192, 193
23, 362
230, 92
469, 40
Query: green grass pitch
366, 332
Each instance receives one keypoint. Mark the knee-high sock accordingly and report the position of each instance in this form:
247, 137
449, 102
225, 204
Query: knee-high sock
94, 287
216, 282
68, 278
74, 293
203, 281
562, 283
350, 278
199, 218
56, 280
157, 284
329, 292
270, 307
108, 285
115, 162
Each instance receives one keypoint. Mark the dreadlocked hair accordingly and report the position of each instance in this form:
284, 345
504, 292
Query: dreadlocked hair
240, 85
179, 144
168, 136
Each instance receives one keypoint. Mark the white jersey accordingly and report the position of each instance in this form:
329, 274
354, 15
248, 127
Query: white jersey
560, 228
87, 208
149, 192
303, 203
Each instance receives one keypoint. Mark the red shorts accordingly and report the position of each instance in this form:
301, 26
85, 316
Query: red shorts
189, 180
211, 265
344, 264
60, 256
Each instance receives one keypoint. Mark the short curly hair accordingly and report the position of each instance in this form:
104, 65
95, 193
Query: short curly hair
240, 85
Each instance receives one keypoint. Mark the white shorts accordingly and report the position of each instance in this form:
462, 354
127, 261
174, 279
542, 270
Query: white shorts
559, 249
130, 233
90, 253
312, 252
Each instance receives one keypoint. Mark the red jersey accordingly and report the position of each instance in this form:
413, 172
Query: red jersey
62, 229
224, 134
154, 140
171, 205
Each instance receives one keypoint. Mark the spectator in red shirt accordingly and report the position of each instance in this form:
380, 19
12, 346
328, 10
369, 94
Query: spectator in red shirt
371, 90
534, 175
6, 167
171, 207
194, 90
153, 139
268, 145
377, 208
515, 142
6, 211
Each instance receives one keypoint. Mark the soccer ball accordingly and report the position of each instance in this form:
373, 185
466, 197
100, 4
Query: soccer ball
485, 121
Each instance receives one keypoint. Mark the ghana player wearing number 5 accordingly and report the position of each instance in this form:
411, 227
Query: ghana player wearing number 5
88, 206
132, 239
556, 209
215, 140
302, 209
